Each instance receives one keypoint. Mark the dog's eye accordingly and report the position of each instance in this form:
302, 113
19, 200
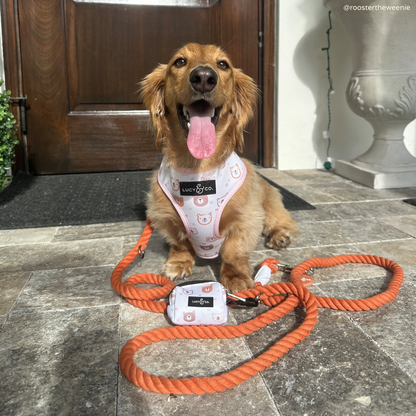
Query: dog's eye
222, 65
180, 62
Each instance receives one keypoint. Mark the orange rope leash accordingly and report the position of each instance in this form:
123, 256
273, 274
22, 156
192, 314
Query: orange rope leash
298, 296
298, 275
140, 298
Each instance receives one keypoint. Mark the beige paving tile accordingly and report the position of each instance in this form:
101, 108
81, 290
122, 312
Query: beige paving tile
311, 195
27, 236
406, 223
351, 191
95, 231
11, 284
68, 288
280, 177
345, 232
390, 327
402, 252
156, 244
333, 369
320, 176
61, 255
356, 210
404, 192
321, 213
60, 362
337, 363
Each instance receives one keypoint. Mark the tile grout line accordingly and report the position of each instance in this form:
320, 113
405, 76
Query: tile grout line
353, 219
62, 269
361, 201
42, 310
352, 244
54, 234
393, 226
337, 245
17, 298
44, 243
269, 392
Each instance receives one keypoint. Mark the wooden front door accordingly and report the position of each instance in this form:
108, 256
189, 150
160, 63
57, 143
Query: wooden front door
80, 62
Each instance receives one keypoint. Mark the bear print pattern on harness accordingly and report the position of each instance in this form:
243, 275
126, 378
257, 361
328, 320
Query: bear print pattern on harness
201, 213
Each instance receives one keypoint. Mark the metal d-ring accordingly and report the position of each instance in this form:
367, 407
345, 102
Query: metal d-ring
141, 253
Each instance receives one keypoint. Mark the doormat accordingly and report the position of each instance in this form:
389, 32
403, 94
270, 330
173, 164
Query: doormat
82, 199
290, 201
411, 201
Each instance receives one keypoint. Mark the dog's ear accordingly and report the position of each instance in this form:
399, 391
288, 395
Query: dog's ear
151, 90
244, 103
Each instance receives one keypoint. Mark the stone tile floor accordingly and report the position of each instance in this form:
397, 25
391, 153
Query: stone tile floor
62, 326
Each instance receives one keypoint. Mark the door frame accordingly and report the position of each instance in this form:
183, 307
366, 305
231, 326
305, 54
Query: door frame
267, 66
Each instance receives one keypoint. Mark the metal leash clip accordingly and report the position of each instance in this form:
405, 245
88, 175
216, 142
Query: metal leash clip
285, 268
249, 302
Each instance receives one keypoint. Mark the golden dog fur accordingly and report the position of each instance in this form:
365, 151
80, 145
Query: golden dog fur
255, 208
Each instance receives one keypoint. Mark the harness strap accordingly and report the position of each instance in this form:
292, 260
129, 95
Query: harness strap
269, 295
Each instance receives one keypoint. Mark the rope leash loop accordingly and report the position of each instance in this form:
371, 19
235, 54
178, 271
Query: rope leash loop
299, 276
366, 304
227, 380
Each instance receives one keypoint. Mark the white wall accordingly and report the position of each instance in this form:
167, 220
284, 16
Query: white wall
302, 112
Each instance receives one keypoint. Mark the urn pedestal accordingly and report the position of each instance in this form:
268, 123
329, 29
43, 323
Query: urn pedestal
382, 88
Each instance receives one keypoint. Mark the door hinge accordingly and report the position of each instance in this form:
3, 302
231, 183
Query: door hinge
260, 39
22, 107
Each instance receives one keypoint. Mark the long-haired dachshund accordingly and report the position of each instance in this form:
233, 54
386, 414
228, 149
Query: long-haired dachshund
205, 200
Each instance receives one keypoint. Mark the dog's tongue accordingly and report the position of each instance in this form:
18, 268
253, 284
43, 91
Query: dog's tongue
202, 141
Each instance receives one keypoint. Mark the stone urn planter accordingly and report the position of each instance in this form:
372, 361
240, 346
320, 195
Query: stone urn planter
382, 88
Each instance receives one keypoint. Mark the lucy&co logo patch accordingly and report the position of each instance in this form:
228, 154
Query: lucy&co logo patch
198, 188
199, 302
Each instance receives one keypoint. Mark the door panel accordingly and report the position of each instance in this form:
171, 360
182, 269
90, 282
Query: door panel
240, 39
45, 82
81, 63
111, 141
117, 46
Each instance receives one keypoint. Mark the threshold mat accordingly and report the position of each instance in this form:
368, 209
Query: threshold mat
82, 199
411, 201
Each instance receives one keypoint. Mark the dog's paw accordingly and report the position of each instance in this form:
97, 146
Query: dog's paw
174, 269
279, 239
237, 283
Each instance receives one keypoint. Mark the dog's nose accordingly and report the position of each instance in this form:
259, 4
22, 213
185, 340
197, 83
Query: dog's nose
203, 79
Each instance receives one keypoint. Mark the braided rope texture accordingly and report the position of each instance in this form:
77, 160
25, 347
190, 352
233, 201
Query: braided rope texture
297, 295
373, 302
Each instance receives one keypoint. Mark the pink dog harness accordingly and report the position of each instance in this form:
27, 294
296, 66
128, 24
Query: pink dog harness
200, 198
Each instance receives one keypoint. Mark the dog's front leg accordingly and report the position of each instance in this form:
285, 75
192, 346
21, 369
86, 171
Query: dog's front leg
181, 260
166, 220
235, 271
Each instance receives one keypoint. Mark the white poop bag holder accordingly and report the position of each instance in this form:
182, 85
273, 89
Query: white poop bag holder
205, 302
